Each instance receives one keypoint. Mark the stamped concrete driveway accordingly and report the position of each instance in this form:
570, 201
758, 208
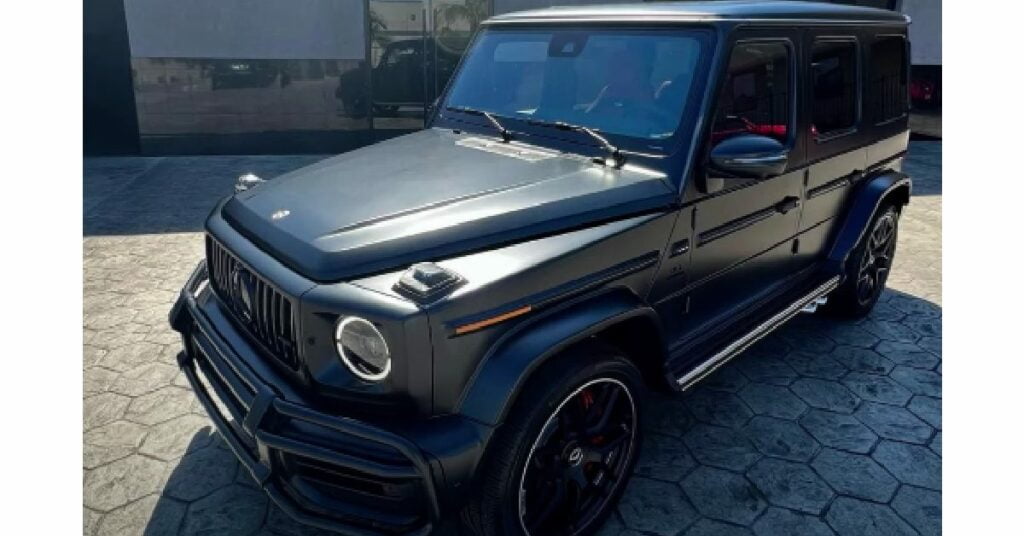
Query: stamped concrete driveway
824, 427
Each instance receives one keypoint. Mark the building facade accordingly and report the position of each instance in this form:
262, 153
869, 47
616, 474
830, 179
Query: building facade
273, 76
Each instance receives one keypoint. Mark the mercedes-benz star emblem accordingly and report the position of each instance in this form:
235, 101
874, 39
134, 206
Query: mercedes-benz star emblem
243, 290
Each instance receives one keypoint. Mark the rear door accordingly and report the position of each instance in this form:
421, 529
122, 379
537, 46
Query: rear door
836, 140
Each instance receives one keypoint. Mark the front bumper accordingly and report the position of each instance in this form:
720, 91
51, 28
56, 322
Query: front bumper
324, 470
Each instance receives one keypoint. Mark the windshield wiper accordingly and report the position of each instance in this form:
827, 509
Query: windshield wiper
506, 134
615, 154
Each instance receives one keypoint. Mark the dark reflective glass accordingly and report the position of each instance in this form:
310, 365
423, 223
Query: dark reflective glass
414, 47
397, 60
243, 96
454, 22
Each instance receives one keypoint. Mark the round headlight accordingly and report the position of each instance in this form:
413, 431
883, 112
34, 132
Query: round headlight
362, 348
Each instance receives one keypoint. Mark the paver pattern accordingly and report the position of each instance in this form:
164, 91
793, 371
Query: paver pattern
824, 427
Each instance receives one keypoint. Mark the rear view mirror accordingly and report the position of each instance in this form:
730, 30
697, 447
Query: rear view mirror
750, 155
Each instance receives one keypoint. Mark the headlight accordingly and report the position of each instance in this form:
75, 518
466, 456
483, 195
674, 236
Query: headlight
362, 348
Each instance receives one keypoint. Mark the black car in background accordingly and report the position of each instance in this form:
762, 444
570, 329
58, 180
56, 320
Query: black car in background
399, 79
462, 322
234, 74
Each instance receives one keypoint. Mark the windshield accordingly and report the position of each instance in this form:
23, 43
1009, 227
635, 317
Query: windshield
623, 82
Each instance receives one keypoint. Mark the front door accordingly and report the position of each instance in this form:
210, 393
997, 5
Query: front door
741, 229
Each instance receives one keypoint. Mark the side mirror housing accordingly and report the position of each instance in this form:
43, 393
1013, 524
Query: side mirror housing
751, 156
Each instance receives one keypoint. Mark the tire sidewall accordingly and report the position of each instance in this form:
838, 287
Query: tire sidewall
576, 372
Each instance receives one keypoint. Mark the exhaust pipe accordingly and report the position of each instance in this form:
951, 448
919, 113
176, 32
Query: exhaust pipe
813, 306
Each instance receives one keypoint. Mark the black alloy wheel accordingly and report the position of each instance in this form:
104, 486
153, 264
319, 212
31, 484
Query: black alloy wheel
581, 454
876, 259
867, 267
566, 449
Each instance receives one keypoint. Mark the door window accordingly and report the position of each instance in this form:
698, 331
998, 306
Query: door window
834, 81
756, 94
887, 89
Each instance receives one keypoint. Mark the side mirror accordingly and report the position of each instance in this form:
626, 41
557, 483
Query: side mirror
750, 155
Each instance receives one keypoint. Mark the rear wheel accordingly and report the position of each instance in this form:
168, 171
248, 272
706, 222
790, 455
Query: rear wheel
868, 267
561, 460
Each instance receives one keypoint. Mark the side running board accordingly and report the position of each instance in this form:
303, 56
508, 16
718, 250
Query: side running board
734, 348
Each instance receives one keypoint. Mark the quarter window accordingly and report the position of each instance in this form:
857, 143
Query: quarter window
887, 90
834, 80
756, 94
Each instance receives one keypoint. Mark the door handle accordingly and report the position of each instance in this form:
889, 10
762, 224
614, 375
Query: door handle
679, 248
787, 204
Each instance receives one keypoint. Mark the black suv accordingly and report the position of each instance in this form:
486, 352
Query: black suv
464, 319
397, 78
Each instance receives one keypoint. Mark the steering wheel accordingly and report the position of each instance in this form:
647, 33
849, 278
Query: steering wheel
653, 115
655, 119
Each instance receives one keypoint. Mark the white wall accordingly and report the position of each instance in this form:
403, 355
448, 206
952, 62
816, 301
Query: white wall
265, 29
507, 6
925, 30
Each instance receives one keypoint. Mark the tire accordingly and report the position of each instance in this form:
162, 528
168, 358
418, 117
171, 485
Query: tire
868, 266
590, 372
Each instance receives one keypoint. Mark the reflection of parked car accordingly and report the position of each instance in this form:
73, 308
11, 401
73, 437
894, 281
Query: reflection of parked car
242, 73
399, 79
464, 320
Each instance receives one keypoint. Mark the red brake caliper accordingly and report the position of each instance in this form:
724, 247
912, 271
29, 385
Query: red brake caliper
587, 398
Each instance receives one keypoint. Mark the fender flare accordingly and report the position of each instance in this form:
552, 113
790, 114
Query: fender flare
506, 367
867, 199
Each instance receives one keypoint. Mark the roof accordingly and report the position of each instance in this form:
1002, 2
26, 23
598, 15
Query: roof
728, 10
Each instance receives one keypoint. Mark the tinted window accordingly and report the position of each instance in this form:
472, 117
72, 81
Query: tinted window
887, 82
402, 53
618, 81
834, 77
755, 95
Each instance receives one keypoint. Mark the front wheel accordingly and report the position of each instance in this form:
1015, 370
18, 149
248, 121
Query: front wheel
868, 267
561, 460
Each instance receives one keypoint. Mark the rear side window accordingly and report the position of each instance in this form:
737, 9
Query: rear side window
755, 96
887, 78
834, 80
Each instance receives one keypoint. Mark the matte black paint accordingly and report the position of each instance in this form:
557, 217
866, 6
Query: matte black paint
650, 257
425, 196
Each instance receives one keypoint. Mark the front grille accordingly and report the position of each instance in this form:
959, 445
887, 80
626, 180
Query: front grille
266, 313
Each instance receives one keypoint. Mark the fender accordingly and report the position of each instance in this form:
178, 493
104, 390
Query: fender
507, 365
866, 200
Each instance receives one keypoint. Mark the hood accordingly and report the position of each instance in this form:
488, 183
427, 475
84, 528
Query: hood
431, 195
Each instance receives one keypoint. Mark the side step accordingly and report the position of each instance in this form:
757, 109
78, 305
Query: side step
810, 301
